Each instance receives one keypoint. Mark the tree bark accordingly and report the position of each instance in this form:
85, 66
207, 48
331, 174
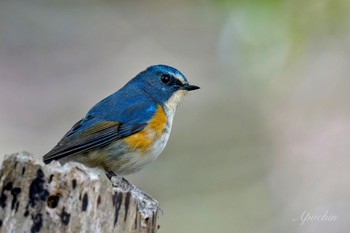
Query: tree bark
35, 197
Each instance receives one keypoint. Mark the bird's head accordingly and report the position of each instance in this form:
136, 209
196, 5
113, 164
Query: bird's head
164, 84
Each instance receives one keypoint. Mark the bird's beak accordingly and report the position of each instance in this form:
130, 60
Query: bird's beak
189, 87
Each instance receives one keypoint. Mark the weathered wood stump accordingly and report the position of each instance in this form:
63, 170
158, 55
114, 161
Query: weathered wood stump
35, 197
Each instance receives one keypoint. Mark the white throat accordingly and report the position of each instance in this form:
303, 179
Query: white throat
172, 103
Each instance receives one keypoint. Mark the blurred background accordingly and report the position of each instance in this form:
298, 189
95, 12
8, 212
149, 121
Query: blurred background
265, 140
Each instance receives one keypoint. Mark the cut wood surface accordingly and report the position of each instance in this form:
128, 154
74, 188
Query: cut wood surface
35, 197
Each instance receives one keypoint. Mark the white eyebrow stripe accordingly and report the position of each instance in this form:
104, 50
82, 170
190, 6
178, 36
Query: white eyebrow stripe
180, 78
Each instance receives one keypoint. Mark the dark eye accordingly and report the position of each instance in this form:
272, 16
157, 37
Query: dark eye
165, 79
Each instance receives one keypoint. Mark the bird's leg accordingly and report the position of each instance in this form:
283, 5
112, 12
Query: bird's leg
119, 181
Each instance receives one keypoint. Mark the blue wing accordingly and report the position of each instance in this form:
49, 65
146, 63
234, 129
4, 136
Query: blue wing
113, 118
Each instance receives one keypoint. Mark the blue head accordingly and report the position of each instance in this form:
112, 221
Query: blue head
164, 84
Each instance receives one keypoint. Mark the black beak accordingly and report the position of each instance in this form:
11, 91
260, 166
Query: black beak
189, 87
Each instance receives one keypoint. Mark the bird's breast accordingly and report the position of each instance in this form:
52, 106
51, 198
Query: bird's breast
154, 136
137, 150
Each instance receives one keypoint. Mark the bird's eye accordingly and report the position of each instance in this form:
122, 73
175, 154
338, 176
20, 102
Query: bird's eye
165, 79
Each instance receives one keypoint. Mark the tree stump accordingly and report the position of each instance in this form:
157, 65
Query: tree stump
35, 197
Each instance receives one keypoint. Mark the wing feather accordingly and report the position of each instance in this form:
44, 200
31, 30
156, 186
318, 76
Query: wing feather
78, 141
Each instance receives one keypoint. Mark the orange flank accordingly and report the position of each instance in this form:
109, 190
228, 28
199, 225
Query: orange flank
144, 139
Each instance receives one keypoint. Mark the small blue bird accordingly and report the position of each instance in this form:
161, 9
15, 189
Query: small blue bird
129, 128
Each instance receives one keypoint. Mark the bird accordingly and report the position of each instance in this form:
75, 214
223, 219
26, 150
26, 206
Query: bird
128, 129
